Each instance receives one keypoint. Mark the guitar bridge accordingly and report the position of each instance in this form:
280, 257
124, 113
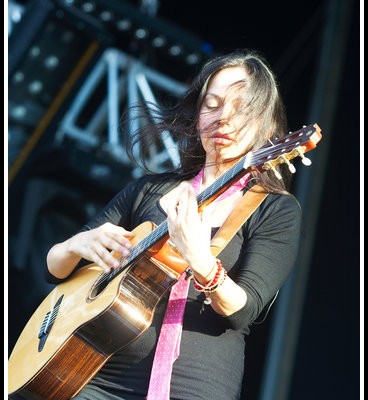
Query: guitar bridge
47, 323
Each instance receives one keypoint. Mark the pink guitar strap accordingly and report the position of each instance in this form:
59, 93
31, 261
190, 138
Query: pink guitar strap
168, 345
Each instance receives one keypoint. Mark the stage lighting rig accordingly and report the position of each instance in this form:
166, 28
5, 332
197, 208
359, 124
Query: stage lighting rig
154, 40
58, 42
50, 50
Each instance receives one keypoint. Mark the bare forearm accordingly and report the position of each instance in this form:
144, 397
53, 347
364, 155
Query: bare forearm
228, 298
61, 260
95, 245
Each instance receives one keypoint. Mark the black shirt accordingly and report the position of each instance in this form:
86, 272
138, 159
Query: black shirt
211, 361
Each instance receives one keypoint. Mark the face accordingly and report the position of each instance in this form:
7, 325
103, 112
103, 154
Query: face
220, 124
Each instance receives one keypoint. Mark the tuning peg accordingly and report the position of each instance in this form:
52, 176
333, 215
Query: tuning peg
306, 161
277, 173
290, 165
269, 166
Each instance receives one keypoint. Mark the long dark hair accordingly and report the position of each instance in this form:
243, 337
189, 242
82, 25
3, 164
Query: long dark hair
260, 96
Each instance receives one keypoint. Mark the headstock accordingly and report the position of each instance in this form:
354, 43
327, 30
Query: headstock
281, 151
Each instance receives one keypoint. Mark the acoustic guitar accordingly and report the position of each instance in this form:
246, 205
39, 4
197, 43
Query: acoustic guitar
83, 321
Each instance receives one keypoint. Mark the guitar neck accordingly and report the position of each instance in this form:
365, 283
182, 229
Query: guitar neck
268, 156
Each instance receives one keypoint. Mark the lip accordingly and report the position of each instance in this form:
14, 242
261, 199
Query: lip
220, 138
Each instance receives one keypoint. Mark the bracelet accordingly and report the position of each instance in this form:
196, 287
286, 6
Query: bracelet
215, 283
215, 266
214, 280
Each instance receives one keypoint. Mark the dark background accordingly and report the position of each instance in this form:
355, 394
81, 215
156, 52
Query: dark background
316, 89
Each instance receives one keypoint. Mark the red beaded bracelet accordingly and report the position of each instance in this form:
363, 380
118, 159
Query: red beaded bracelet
217, 280
213, 281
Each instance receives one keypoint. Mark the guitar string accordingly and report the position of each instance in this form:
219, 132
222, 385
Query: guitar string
47, 322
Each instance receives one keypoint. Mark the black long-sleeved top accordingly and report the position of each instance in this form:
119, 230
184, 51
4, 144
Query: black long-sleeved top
211, 362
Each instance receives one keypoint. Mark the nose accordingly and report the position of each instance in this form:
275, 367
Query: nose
225, 117
225, 127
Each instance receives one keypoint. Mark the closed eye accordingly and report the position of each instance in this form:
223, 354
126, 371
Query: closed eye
212, 102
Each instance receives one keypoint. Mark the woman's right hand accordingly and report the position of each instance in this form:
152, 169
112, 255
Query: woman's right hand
95, 245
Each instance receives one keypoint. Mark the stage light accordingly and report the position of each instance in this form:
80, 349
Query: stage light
18, 112
124, 24
141, 33
193, 58
35, 87
88, 7
51, 62
159, 41
106, 16
18, 77
176, 50
35, 52
15, 12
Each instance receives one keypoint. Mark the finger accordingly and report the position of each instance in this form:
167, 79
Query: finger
117, 231
192, 201
116, 238
173, 206
115, 243
182, 206
104, 258
96, 259
171, 210
205, 215
188, 201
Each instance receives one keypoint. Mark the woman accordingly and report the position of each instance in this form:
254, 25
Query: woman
231, 108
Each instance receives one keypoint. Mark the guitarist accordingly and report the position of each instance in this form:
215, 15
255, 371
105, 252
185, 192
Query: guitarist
232, 107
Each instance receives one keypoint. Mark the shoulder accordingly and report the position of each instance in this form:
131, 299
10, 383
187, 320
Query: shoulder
278, 212
285, 206
282, 203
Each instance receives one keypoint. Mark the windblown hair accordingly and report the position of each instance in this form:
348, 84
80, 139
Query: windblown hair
261, 105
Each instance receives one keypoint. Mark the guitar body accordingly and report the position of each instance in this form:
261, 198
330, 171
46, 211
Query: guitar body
85, 326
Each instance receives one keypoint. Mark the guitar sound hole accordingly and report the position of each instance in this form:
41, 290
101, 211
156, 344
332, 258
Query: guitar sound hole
98, 288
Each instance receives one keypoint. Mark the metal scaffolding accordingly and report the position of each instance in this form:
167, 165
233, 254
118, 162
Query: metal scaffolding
128, 83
